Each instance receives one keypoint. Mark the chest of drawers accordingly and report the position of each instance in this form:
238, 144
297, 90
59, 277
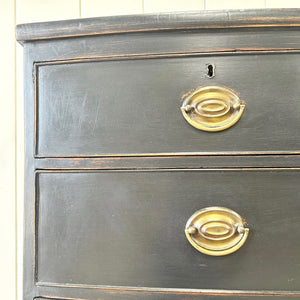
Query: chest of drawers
162, 156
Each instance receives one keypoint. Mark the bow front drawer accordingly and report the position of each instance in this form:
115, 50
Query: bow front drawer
127, 228
134, 106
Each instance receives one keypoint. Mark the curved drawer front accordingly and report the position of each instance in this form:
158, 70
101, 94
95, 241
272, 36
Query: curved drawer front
122, 228
135, 106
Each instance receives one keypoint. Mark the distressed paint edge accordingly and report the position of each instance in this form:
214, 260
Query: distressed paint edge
157, 22
178, 291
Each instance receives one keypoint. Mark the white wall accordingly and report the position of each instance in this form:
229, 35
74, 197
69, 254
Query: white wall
14, 12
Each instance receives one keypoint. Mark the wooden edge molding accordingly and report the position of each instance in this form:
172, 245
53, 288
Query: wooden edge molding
167, 291
171, 162
161, 21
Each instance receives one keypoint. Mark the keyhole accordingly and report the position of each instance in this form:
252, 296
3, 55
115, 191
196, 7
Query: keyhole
210, 70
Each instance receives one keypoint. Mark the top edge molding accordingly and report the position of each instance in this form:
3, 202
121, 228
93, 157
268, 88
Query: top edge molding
156, 22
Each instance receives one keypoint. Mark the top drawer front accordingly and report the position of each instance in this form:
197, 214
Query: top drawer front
128, 107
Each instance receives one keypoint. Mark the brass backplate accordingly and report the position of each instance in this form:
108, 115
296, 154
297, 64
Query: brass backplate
212, 108
216, 231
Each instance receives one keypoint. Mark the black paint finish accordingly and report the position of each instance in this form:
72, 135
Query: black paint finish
127, 229
128, 107
113, 171
158, 22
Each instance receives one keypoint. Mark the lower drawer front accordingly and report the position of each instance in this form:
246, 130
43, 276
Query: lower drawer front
126, 228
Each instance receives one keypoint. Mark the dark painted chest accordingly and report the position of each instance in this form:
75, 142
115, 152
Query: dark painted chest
162, 156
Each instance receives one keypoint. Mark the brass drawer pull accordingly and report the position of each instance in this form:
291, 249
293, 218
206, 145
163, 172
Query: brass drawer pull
212, 108
216, 231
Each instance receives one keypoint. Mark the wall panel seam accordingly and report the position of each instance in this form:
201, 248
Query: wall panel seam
15, 154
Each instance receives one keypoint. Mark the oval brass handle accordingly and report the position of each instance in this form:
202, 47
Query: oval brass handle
216, 231
212, 108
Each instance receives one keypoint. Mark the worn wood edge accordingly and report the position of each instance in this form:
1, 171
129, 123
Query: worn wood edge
36, 192
157, 22
178, 291
170, 162
174, 154
164, 55
237, 169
